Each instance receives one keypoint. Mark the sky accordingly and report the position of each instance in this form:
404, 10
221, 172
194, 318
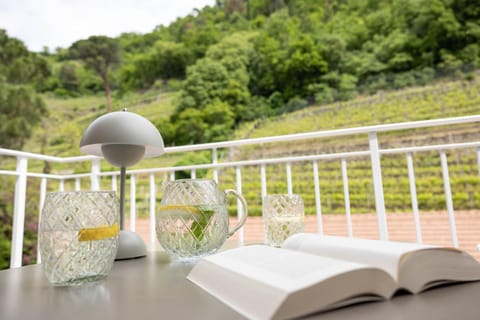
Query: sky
59, 23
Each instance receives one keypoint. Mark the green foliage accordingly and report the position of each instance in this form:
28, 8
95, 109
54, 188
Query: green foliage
18, 65
164, 61
68, 77
20, 110
215, 93
6, 207
213, 123
261, 57
192, 159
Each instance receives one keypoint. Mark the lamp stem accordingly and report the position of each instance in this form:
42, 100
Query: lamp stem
122, 197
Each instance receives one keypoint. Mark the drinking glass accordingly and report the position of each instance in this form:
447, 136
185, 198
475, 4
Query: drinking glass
192, 220
78, 236
283, 216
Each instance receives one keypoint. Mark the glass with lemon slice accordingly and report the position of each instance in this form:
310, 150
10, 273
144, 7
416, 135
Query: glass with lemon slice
78, 236
192, 220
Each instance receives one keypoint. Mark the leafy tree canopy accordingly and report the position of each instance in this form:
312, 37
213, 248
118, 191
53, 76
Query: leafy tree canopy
20, 107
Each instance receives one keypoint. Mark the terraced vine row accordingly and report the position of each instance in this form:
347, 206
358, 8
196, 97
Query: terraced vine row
439, 101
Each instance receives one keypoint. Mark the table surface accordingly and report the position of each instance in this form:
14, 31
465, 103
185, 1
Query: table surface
156, 288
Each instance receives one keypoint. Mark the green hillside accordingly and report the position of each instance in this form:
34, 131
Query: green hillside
441, 100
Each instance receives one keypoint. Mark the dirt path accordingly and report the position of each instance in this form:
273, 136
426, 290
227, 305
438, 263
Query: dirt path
434, 226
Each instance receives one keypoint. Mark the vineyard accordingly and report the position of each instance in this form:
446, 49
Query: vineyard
439, 101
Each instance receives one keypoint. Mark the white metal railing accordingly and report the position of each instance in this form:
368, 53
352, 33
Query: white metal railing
374, 152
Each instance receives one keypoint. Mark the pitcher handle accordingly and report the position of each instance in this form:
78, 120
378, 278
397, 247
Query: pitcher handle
243, 218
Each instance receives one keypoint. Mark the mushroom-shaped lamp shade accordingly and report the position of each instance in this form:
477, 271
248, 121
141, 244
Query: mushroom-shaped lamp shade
123, 138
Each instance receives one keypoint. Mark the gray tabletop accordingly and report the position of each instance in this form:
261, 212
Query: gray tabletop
156, 288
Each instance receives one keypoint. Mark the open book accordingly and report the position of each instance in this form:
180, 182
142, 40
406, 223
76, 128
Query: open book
312, 273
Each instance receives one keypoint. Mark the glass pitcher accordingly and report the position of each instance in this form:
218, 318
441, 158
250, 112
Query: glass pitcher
192, 220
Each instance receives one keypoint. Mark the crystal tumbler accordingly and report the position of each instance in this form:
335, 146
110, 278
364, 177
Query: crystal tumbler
283, 216
78, 236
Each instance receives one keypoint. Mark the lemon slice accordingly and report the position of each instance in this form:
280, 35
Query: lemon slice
99, 233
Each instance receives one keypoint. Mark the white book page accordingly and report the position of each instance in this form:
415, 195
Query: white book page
286, 270
386, 255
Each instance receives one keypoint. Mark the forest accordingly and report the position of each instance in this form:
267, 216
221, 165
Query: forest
238, 61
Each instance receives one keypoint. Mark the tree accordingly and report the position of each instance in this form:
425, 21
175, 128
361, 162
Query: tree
215, 85
99, 53
18, 65
68, 77
164, 61
20, 110
20, 107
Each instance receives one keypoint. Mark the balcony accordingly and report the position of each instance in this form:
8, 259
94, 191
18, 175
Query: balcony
370, 171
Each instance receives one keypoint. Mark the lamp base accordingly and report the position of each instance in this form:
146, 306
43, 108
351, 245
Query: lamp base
130, 246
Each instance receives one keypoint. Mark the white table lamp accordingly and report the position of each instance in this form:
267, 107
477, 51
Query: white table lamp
123, 138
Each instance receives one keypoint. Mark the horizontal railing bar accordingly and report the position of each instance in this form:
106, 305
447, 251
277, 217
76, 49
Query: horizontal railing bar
282, 138
87, 175
8, 173
301, 158
36, 156
46, 175
33, 174
245, 163
437, 147
328, 133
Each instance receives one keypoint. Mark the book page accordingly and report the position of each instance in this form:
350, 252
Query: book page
285, 269
386, 255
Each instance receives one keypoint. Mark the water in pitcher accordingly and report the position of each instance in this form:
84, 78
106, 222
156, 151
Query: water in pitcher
190, 231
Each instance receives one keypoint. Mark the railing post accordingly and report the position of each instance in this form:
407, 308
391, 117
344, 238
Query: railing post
193, 174
478, 160
152, 209
19, 213
215, 161
448, 198
114, 183
95, 178
378, 186
239, 203
61, 186
413, 196
43, 192
346, 195
263, 181
133, 209
77, 184
289, 178
318, 203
